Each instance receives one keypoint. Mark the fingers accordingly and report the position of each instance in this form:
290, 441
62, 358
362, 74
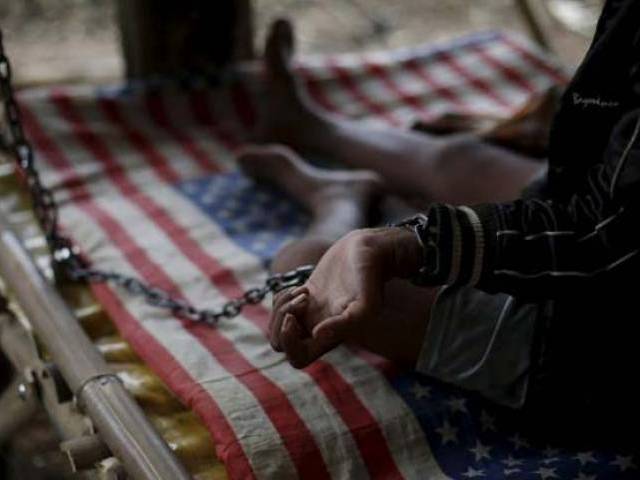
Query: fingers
277, 316
292, 301
293, 343
287, 295
302, 350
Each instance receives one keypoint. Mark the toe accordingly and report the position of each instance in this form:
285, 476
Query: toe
279, 47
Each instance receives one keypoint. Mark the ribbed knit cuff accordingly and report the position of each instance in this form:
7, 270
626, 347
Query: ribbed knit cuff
456, 245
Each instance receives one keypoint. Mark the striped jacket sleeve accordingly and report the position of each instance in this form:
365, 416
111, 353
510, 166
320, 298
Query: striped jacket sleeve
539, 248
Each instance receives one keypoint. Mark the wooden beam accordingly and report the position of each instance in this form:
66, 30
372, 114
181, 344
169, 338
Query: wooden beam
165, 37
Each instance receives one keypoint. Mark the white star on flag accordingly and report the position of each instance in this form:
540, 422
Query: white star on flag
624, 463
458, 405
511, 471
448, 433
511, 462
472, 473
420, 391
582, 476
480, 451
585, 457
550, 452
518, 442
545, 473
487, 421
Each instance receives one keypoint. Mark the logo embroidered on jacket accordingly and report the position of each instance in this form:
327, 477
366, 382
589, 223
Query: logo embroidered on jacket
593, 102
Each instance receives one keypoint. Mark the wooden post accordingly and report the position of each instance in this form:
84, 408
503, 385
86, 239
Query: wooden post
166, 37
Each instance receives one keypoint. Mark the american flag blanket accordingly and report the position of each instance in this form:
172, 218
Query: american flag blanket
148, 186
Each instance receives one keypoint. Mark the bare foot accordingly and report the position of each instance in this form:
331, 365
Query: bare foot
323, 192
289, 116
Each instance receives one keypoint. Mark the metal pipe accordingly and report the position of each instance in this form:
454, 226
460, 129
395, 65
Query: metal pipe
85, 452
15, 342
120, 421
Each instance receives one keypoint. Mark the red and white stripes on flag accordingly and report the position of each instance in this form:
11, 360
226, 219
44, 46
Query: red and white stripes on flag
113, 160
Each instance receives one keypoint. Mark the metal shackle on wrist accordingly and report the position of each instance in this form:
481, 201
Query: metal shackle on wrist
419, 225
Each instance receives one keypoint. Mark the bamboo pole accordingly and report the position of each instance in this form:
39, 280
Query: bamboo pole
118, 419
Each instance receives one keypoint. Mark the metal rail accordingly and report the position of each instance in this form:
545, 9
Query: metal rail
119, 420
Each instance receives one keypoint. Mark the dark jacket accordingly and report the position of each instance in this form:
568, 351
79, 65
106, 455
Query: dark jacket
575, 249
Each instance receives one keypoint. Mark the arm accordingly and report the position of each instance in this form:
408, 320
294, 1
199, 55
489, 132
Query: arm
541, 248
530, 248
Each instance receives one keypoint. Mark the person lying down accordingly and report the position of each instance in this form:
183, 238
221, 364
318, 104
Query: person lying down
516, 278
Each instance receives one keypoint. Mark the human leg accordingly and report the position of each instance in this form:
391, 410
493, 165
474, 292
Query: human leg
423, 168
338, 201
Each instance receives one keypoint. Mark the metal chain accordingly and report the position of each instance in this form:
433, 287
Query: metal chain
70, 264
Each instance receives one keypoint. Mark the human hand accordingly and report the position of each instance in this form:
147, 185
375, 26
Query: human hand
344, 295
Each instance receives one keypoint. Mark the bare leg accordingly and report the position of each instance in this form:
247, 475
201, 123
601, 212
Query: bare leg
456, 169
340, 201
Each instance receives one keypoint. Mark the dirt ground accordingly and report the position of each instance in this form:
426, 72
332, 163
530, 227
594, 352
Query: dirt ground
77, 40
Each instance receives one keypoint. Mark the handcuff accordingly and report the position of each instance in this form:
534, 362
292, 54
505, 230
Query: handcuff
419, 225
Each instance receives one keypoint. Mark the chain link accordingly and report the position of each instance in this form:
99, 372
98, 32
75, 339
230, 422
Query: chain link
67, 261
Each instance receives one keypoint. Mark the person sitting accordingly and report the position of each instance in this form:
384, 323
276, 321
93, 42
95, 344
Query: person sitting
517, 281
